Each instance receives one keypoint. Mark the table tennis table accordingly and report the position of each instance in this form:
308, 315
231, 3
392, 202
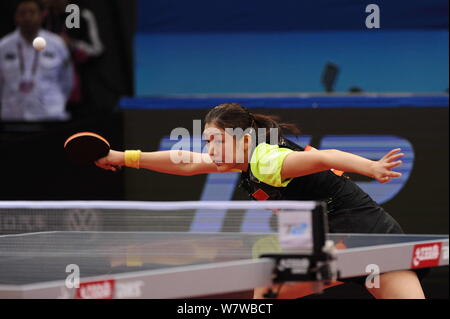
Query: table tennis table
182, 264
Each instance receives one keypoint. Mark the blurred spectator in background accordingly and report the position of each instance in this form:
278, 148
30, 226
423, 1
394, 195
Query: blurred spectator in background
34, 85
84, 44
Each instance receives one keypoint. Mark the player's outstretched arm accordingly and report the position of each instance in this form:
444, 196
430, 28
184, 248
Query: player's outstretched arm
175, 162
304, 163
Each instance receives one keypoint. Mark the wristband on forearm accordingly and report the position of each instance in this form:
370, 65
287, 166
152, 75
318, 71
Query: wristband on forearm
132, 159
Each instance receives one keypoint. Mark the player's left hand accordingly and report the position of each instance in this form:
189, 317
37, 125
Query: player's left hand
382, 170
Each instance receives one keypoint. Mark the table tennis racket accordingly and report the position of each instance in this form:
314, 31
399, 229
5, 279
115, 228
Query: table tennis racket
86, 148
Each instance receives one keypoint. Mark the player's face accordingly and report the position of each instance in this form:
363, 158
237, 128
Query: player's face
28, 17
225, 150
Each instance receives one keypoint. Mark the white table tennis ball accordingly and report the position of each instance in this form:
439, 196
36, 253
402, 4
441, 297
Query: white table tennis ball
39, 43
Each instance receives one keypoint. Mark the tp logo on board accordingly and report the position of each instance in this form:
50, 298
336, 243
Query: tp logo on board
373, 19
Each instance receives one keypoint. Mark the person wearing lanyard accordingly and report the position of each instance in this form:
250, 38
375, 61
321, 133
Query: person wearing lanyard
34, 85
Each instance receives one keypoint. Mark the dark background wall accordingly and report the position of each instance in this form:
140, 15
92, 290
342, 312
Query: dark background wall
421, 206
113, 75
33, 165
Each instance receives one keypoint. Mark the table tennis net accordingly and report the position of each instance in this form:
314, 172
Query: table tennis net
125, 216
39, 240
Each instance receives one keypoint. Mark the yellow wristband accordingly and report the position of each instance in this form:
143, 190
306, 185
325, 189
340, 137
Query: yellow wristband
132, 159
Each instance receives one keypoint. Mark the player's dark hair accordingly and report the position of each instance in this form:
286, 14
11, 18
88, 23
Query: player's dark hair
234, 115
39, 4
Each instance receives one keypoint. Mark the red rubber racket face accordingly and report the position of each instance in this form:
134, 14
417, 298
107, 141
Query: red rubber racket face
86, 148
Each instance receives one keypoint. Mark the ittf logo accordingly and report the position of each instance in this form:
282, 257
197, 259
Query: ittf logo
426, 255
298, 229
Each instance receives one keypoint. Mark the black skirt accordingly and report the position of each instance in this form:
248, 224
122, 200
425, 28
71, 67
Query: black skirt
371, 219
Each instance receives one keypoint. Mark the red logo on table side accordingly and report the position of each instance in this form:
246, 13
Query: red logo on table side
96, 290
426, 255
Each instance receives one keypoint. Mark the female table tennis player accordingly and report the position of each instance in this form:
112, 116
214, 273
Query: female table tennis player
284, 170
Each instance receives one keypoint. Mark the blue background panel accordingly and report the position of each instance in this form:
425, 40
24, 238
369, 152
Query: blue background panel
216, 63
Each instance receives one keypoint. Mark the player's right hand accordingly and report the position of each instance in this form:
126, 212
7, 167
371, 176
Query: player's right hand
112, 162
